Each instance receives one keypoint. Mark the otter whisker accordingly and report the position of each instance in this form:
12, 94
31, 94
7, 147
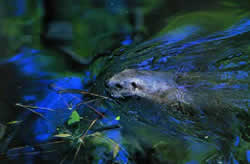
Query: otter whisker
61, 91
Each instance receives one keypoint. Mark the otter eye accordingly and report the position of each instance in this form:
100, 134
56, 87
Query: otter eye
134, 85
119, 86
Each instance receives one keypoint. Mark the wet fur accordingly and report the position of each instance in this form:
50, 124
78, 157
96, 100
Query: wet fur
156, 86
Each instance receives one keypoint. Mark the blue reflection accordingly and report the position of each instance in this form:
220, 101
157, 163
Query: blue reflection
239, 29
192, 162
115, 134
21, 7
248, 155
235, 161
45, 128
220, 86
237, 141
127, 41
229, 65
238, 86
29, 97
163, 59
242, 27
226, 75
122, 156
101, 161
242, 75
31, 63
184, 32
88, 77
42, 137
181, 33
175, 120
35, 67
145, 65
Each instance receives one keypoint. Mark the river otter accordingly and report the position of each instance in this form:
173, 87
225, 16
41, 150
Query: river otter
204, 92
160, 87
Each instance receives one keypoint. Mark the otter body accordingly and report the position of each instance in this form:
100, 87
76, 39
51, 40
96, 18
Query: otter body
205, 92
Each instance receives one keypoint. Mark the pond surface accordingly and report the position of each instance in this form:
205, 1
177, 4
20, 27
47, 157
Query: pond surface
46, 117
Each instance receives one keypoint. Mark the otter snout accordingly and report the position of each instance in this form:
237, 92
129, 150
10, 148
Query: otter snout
122, 88
125, 84
113, 88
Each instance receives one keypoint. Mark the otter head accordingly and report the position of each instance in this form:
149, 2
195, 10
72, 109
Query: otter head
124, 84
131, 82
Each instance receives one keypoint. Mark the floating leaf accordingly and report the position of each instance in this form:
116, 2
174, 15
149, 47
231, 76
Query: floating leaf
116, 150
62, 135
74, 118
118, 118
14, 122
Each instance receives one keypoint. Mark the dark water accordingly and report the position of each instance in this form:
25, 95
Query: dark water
205, 39
220, 60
